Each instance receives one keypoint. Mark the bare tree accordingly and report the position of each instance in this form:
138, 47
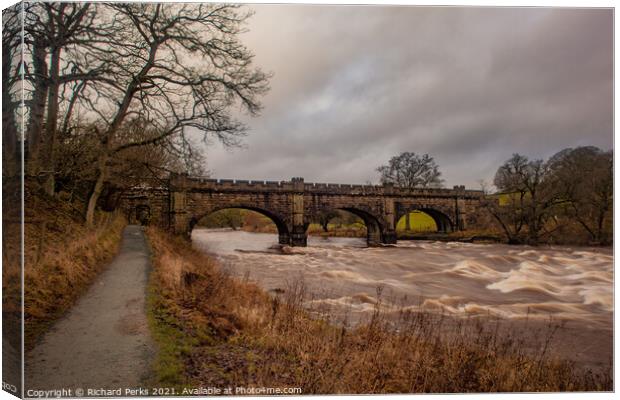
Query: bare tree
55, 35
141, 165
11, 87
508, 209
326, 216
528, 198
509, 179
410, 170
178, 67
583, 178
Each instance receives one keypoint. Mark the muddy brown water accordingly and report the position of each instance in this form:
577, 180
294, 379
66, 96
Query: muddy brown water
527, 287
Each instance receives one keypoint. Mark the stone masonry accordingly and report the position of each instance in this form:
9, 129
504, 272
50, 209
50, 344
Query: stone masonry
293, 204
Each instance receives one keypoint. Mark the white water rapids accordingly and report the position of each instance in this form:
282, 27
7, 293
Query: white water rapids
521, 283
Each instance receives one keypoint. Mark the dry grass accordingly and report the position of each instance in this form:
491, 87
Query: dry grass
61, 258
183, 314
229, 332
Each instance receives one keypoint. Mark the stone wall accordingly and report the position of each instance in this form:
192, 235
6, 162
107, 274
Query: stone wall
294, 204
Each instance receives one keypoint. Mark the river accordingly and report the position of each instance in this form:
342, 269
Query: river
520, 284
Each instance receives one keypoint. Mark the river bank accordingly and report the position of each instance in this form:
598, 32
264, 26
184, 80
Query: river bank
62, 257
523, 285
229, 331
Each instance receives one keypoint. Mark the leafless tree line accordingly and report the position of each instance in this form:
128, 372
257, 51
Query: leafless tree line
411, 170
113, 89
539, 198
535, 201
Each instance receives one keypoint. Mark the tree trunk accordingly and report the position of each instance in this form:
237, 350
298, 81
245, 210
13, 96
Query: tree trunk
324, 225
102, 170
37, 106
51, 123
408, 221
599, 227
10, 147
534, 232
10, 156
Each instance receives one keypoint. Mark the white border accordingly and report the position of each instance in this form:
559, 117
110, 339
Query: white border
505, 3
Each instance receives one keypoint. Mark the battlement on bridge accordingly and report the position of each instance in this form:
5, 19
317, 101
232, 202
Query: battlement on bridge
184, 182
179, 202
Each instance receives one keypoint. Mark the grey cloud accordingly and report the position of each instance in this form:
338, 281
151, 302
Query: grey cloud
353, 86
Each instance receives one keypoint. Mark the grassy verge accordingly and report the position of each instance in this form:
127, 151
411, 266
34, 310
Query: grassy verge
62, 257
173, 342
215, 330
182, 314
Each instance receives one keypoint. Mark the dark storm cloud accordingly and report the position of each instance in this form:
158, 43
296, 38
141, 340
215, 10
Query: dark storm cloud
353, 86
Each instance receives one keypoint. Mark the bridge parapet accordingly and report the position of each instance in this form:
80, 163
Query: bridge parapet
183, 182
186, 182
181, 201
437, 192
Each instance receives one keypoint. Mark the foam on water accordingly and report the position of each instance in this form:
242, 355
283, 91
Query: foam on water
455, 278
475, 270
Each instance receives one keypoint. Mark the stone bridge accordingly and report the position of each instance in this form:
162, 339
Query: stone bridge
181, 201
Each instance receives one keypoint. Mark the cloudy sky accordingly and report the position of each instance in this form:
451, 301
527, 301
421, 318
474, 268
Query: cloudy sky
353, 86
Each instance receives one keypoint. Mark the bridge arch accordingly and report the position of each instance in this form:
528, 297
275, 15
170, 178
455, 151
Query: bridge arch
284, 236
443, 222
374, 226
292, 204
143, 214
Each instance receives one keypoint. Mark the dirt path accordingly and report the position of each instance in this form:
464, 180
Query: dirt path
103, 342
